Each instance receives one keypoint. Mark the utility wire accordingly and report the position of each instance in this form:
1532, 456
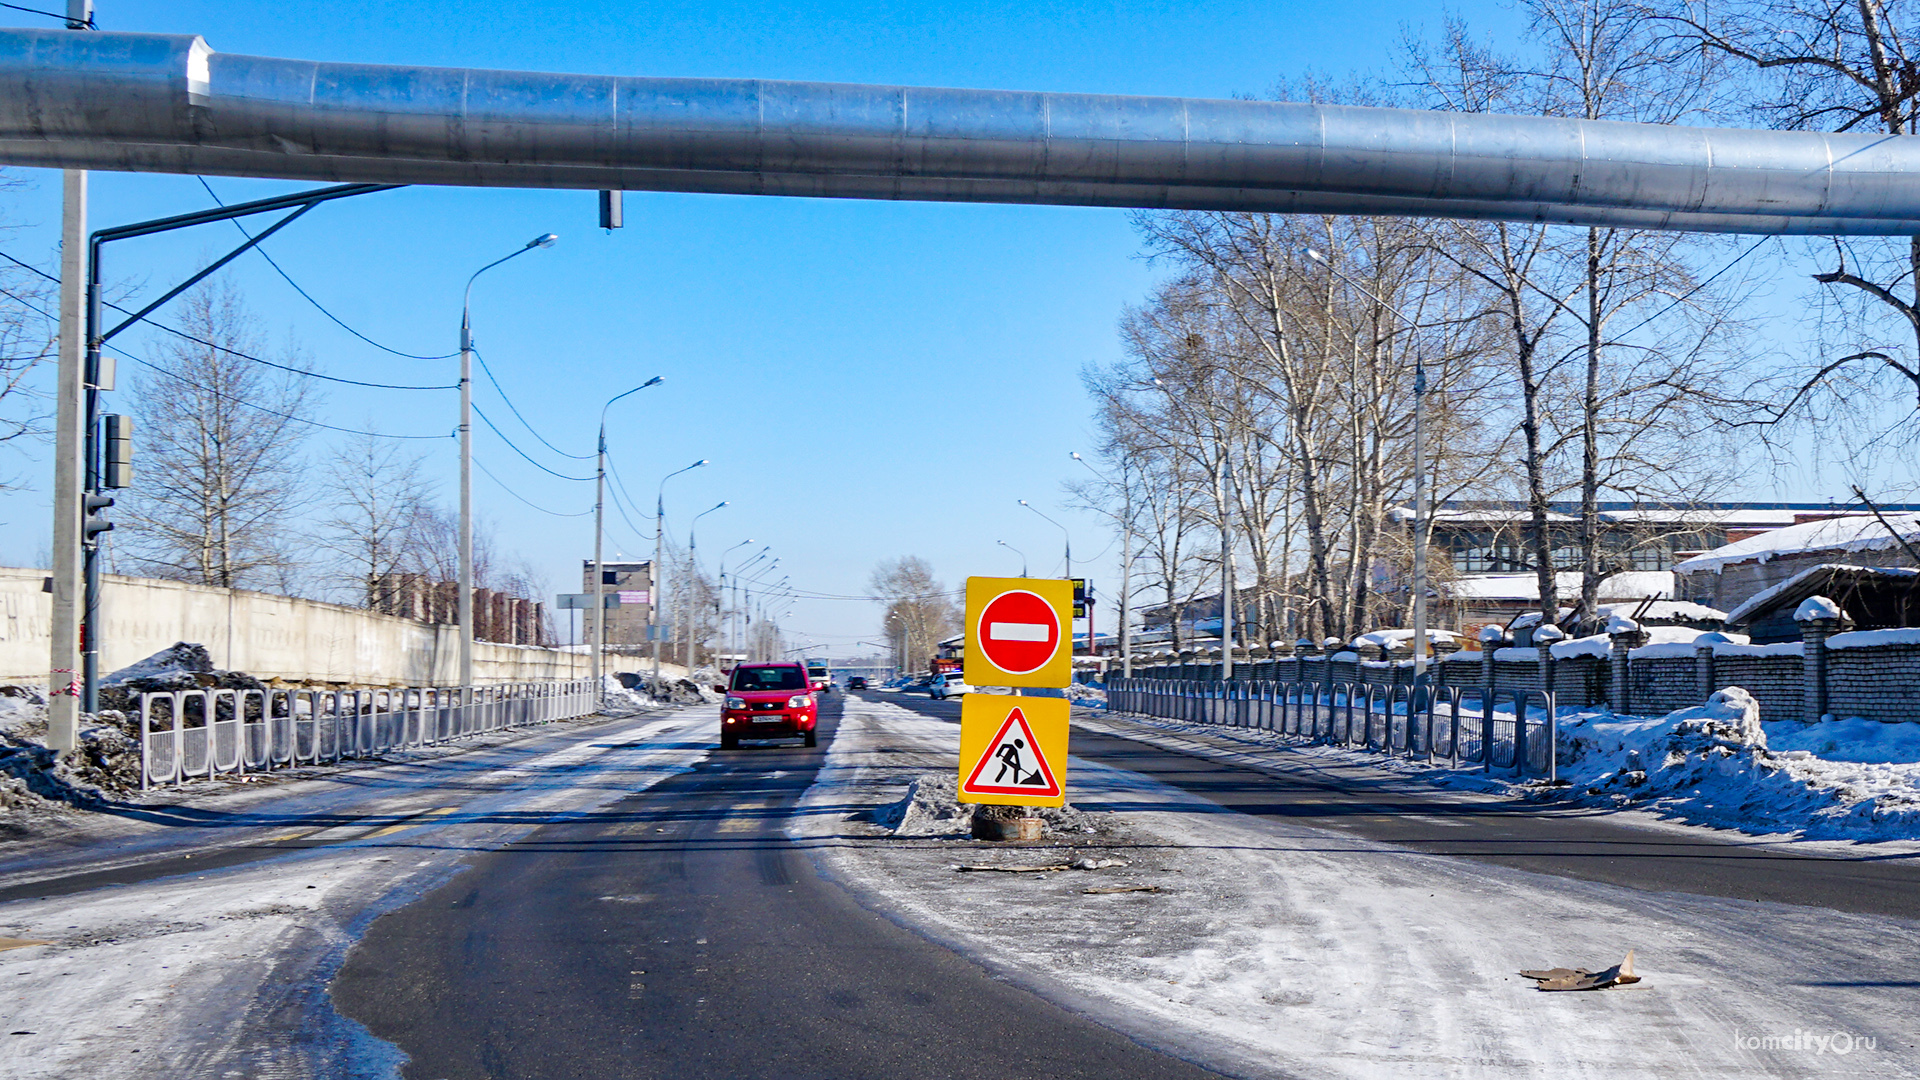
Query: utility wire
44, 313
523, 453
503, 486
318, 306
36, 11
149, 320
516, 412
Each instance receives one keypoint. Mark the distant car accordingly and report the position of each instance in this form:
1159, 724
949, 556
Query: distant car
948, 685
856, 682
768, 701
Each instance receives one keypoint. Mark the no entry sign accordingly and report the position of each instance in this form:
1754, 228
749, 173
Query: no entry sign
1018, 632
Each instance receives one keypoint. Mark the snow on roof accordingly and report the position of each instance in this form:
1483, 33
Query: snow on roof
1856, 532
1402, 636
1767, 596
1633, 585
1701, 516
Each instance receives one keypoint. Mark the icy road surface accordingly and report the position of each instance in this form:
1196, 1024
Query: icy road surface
1278, 949
176, 973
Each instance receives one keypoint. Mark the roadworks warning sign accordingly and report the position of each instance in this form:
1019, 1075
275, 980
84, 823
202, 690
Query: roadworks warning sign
1013, 750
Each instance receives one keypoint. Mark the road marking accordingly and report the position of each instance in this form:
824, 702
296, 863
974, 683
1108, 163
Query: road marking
417, 819
1019, 631
290, 836
744, 824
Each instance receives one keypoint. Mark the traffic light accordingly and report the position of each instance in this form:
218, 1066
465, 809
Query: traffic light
93, 524
1083, 600
117, 457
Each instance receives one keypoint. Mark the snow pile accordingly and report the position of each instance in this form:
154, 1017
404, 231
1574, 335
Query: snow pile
617, 700
104, 764
184, 665
1620, 624
1091, 697
931, 808
1713, 765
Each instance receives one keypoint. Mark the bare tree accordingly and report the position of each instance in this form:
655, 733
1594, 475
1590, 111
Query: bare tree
1836, 65
919, 610
378, 517
27, 337
219, 479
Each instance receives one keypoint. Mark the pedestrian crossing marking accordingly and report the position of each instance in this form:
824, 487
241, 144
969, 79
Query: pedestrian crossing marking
1013, 750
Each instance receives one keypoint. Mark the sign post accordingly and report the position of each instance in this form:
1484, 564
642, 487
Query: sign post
1019, 633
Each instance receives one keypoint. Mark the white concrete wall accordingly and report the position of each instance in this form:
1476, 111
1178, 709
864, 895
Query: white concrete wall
270, 637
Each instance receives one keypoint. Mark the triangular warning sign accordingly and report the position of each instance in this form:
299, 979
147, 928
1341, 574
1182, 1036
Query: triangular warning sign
1013, 764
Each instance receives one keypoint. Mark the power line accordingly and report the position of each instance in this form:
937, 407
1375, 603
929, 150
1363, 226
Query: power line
318, 306
516, 412
157, 324
523, 453
503, 486
36, 11
45, 314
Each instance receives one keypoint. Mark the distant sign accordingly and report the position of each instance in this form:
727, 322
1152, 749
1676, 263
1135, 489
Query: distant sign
584, 600
1017, 632
634, 596
1013, 750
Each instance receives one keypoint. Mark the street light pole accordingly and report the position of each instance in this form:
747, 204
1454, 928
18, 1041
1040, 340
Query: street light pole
720, 607
544, 240
1420, 643
659, 554
1016, 551
1069, 536
1126, 560
693, 571
599, 533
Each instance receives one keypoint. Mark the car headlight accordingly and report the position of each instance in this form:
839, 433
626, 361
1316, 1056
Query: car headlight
736, 703
799, 701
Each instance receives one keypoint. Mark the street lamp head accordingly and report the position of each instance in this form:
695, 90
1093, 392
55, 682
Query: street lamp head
544, 240
1075, 455
697, 464
1314, 255
655, 381
1024, 502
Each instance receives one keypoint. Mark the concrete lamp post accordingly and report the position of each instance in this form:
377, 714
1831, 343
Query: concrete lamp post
659, 554
1126, 561
544, 240
599, 534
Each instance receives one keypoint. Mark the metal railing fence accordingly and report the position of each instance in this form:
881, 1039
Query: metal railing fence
191, 734
1441, 724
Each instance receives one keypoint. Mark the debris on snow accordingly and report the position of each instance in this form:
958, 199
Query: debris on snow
1620, 974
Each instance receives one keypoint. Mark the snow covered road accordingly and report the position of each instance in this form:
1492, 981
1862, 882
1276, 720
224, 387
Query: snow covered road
224, 973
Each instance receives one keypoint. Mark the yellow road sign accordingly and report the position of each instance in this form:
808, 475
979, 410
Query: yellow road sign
1013, 750
1019, 632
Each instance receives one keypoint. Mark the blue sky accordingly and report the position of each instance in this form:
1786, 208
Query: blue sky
869, 379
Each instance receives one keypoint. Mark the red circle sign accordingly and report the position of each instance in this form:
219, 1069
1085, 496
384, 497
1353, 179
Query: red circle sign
1018, 632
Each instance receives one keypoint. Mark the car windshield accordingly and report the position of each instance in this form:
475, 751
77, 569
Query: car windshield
769, 678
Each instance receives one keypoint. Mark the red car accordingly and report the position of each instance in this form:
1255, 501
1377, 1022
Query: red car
768, 701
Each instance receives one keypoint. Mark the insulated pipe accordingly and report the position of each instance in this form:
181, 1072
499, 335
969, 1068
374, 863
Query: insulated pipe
157, 103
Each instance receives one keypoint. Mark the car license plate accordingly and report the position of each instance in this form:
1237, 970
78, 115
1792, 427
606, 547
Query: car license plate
769, 719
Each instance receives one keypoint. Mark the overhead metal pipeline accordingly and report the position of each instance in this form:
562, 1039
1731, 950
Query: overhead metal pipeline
157, 103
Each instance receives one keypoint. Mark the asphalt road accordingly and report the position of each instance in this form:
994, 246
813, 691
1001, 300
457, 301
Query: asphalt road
680, 934
1588, 844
